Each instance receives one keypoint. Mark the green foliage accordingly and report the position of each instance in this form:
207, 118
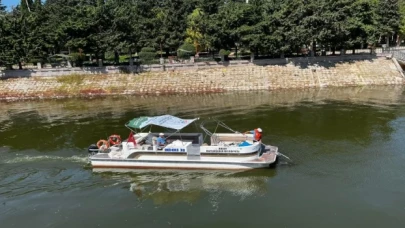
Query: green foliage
169, 18
401, 4
78, 58
34, 61
35, 30
224, 52
388, 17
3, 34
147, 55
26, 5
73, 79
194, 30
186, 50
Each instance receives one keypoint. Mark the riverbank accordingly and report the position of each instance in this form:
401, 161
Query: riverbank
294, 74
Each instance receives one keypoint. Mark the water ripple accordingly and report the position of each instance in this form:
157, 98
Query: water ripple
27, 158
343, 143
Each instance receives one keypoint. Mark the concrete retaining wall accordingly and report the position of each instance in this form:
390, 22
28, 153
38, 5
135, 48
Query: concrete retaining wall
293, 73
47, 72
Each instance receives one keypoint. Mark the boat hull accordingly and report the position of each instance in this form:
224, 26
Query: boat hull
176, 165
103, 161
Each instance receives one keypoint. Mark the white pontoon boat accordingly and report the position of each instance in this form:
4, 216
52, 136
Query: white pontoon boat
232, 150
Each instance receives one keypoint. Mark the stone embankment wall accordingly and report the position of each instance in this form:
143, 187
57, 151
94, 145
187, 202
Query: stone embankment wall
294, 74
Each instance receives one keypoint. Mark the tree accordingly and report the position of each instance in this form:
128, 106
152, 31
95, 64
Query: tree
37, 4
12, 39
388, 18
194, 29
123, 34
170, 23
3, 33
186, 50
36, 29
224, 28
60, 13
402, 22
87, 28
250, 26
147, 55
362, 23
26, 5
39, 36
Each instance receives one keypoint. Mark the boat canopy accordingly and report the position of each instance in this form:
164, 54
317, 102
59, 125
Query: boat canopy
166, 121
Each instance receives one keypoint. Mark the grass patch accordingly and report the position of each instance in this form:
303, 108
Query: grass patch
62, 90
40, 79
114, 89
74, 79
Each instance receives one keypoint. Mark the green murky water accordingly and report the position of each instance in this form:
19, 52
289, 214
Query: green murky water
347, 147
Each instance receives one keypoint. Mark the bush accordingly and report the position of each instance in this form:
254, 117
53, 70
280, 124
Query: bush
185, 51
78, 58
224, 52
124, 58
109, 55
147, 55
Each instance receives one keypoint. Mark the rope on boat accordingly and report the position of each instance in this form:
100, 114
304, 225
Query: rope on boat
216, 128
222, 124
219, 123
284, 156
205, 129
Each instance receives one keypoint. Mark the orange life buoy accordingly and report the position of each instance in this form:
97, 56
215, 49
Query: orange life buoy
104, 143
114, 139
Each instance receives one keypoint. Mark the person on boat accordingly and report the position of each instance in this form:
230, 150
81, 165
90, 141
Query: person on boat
161, 141
257, 134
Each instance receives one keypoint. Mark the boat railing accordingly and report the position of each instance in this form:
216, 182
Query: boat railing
217, 139
219, 123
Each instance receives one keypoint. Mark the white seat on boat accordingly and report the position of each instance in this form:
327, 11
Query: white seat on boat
115, 154
177, 143
115, 148
130, 145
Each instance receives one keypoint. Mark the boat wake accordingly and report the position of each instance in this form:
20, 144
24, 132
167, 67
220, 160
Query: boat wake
27, 158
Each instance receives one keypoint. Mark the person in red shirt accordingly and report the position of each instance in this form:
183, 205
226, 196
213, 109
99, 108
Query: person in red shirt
257, 134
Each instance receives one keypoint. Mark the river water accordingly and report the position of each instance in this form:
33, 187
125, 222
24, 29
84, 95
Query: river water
346, 145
